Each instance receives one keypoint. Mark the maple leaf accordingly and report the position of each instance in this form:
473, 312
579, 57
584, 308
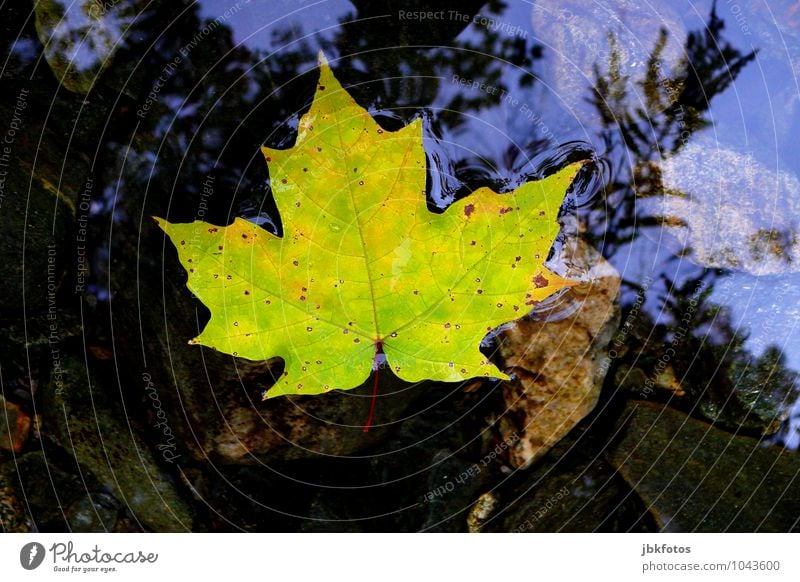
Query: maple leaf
363, 266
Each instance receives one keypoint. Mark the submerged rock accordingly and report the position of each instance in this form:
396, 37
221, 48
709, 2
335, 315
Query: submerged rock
573, 489
559, 366
12, 511
40, 186
96, 513
90, 424
48, 487
696, 478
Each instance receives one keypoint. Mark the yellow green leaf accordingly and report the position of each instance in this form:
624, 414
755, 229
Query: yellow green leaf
363, 265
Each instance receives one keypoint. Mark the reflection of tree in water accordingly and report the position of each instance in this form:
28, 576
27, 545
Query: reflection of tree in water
694, 355
711, 372
671, 111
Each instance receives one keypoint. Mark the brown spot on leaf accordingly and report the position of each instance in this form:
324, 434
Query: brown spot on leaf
540, 281
469, 209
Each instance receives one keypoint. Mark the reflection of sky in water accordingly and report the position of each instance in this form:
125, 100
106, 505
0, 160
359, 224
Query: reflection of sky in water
263, 24
766, 307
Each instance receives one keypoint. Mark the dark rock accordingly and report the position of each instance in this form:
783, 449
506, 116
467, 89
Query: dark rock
58, 497
694, 477
89, 423
49, 486
12, 511
39, 198
97, 513
454, 484
572, 489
